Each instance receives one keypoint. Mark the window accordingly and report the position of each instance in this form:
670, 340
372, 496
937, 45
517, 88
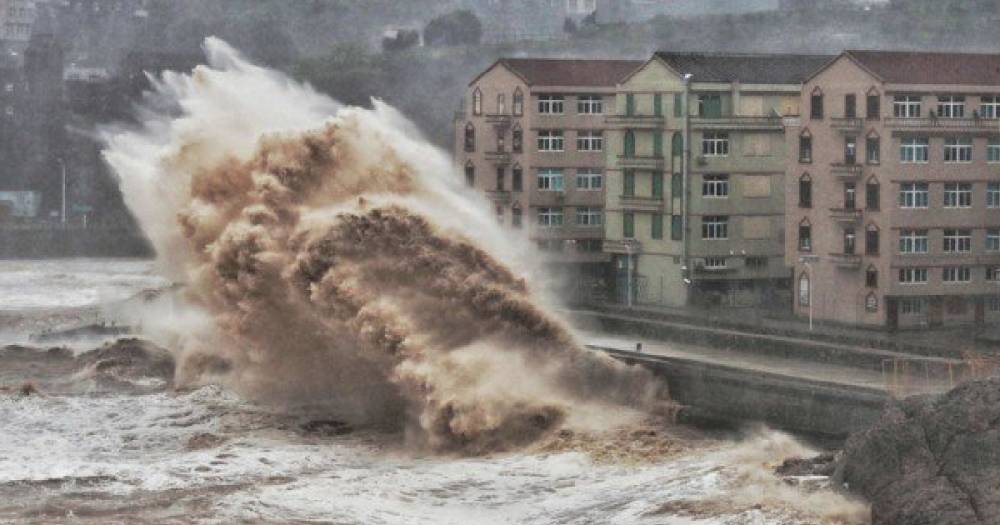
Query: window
913, 275
500, 214
850, 150
956, 274
518, 102
951, 106
470, 174
590, 105
470, 138
872, 196
994, 304
589, 141
657, 144
714, 227
658, 105
914, 195
912, 305
871, 240
676, 185
805, 191
715, 186
906, 106
515, 217
816, 105
501, 178
656, 226
678, 105
710, 105
993, 150
871, 277
657, 183
501, 104
715, 144
550, 179
957, 241
589, 217
874, 107
628, 225
550, 140
501, 142
516, 179
550, 217
805, 149
993, 240
913, 241
958, 195
630, 104
628, 144
517, 139
849, 241
805, 236
676, 228
550, 104
850, 196
755, 263
805, 294
477, 102
958, 149
850, 106
989, 107
993, 195
914, 150
714, 263
871, 302
628, 183
873, 150
591, 179
993, 274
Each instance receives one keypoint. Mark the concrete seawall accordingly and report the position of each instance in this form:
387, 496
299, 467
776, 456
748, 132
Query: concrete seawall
723, 393
58, 242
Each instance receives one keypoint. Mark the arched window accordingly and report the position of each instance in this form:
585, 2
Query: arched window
871, 277
873, 104
477, 102
629, 145
805, 191
518, 102
470, 137
517, 178
872, 194
501, 104
805, 236
816, 104
805, 291
517, 139
873, 148
470, 174
871, 302
871, 240
515, 215
805, 147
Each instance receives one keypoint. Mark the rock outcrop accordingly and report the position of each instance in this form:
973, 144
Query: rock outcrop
931, 460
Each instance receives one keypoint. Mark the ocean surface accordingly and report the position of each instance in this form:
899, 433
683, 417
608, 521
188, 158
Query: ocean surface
86, 449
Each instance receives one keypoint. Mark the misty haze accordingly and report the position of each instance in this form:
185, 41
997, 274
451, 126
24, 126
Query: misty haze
674, 262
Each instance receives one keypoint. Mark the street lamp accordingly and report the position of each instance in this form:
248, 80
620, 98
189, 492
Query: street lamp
685, 184
62, 215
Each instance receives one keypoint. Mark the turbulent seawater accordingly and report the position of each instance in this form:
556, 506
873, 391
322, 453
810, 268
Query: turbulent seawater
88, 449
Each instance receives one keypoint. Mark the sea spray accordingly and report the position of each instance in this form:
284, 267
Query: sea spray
338, 258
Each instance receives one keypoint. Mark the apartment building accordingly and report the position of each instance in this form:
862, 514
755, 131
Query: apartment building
893, 190
708, 230
531, 135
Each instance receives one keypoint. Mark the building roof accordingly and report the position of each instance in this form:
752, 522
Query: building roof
914, 67
562, 72
746, 68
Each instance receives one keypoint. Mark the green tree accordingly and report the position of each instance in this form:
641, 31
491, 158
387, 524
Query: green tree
454, 29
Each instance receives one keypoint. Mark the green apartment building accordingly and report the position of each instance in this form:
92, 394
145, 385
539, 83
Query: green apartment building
694, 199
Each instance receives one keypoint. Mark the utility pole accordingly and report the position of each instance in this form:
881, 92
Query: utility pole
63, 214
628, 284
686, 188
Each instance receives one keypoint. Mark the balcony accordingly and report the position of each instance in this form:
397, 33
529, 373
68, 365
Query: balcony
846, 260
846, 215
940, 123
499, 196
546, 198
642, 162
846, 171
650, 204
847, 124
502, 120
498, 157
636, 121
738, 122
624, 247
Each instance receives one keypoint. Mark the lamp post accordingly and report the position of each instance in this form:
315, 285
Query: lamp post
686, 186
628, 273
62, 215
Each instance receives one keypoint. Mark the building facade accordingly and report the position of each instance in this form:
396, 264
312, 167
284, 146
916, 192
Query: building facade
531, 135
695, 190
893, 190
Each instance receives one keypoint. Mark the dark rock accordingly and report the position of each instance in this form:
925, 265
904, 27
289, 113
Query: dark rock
326, 428
129, 359
821, 465
931, 460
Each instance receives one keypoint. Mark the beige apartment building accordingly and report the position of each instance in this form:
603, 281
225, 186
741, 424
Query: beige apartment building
532, 135
709, 230
893, 190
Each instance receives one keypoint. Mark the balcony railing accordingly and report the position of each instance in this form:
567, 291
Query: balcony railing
846, 260
499, 119
652, 162
738, 122
498, 157
633, 202
499, 196
846, 171
943, 123
847, 124
636, 121
625, 246
849, 215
